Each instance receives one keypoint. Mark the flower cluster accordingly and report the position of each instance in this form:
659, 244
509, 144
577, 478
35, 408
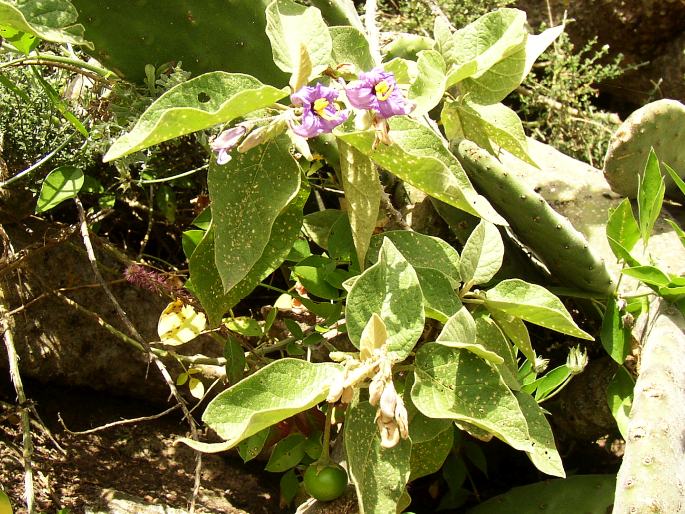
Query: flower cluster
375, 91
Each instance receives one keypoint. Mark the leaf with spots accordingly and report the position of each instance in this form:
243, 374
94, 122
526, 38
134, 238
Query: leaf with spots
454, 383
482, 255
275, 392
207, 285
427, 89
248, 193
544, 456
204, 101
362, 194
428, 457
418, 156
533, 303
379, 474
350, 46
389, 288
490, 337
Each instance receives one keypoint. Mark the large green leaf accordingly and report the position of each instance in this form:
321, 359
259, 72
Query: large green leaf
454, 383
421, 251
497, 82
427, 89
418, 156
428, 457
534, 304
291, 26
52, 20
516, 331
389, 288
362, 194
482, 255
318, 225
247, 194
544, 456
622, 228
350, 46
440, 300
486, 125
204, 101
491, 338
272, 394
379, 474
205, 277
62, 183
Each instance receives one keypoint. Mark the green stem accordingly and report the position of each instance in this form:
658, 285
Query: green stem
32, 60
174, 177
325, 450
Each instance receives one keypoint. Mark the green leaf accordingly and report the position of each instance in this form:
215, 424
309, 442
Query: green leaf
421, 251
482, 255
204, 101
650, 196
313, 273
248, 193
204, 274
620, 398
614, 335
536, 44
59, 104
454, 383
189, 241
479, 46
362, 193
440, 300
491, 338
516, 331
287, 453
497, 82
421, 428
253, 445
679, 231
428, 457
235, 360
350, 46
533, 303
289, 486
622, 228
550, 382
51, 20
61, 184
427, 89
648, 274
544, 456
419, 157
275, 392
487, 124
379, 474
290, 26
675, 177
317, 225
459, 329
407, 46
22, 41
389, 288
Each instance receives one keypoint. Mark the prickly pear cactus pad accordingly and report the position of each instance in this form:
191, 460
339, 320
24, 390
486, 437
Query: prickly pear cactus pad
205, 36
659, 125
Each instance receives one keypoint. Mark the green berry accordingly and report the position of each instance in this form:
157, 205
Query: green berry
325, 483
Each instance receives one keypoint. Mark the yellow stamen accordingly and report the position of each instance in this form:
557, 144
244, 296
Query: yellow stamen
383, 90
319, 105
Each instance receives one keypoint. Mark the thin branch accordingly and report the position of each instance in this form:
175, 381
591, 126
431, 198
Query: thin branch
134, 332
118, 423
394, 214
150, 223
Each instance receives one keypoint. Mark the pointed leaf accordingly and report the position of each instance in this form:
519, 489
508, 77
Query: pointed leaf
235, 360
248, 193
317, 225
272, 394
61, 184
675, 177
302, 71
650, 196
648, 274
536, 44
516, 331
544, 456
379, 474
620, 398
290, 26
350, 46
482, 255
622, 227
428, 457
419, 157
287, 453
389, 288
362, 193
455, 384
679, 231
460, 328
373, 337
615, 337
204, 101
207, 285
440, 300
533, 303
491, 338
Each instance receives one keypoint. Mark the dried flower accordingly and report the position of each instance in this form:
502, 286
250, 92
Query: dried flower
225, 142
377, 91
320, 113
148, 279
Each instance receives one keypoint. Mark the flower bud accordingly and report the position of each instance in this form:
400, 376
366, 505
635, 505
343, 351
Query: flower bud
375, 390
390, 435
388, 402
540, 364
402, 418
576, 360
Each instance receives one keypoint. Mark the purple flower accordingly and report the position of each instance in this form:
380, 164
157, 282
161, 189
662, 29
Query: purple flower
320, 113
377, 91
224, 142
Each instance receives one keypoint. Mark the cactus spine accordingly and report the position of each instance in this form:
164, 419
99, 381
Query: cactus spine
551, 236
659, 125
